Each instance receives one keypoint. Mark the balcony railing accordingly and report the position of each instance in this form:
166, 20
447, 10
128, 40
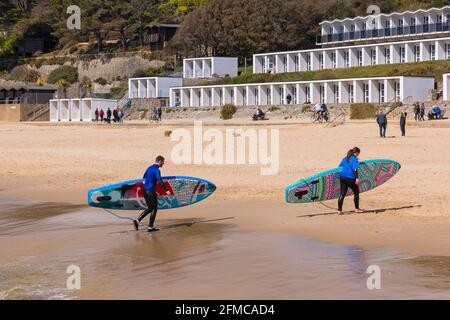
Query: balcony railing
385, 32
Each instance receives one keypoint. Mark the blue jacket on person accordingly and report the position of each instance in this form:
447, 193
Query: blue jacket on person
349, 168
152, 176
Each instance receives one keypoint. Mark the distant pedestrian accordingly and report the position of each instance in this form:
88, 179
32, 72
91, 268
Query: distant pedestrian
403, 116
108, 115
121, 116
115, 116
289, 98
422, 112
102, 114
96, 115
382, 123
417, 112
159, 114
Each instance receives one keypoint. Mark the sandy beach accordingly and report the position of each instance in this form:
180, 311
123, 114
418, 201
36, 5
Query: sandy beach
55, 164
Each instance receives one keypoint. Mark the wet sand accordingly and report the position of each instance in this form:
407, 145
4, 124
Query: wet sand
194, 259
406, 229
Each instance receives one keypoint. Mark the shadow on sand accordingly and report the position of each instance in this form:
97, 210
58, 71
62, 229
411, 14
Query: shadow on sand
186, 224
376, 211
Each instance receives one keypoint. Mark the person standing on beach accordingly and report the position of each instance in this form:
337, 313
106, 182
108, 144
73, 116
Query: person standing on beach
350, 179
121, 116
403, 116
417, 112
152, 177
422, 112
382, 123
159, 114
96, 115
108, 115
102, 114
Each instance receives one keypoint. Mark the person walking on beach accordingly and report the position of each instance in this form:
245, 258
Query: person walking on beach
422, 112
350, 179
403, 116
382, 123
102, 114
152, 177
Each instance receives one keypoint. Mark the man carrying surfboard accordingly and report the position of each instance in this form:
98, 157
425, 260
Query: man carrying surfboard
152, 177
349, 178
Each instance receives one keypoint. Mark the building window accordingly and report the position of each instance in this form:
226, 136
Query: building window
297, 63
256, 96
382, 92
397, 91
360, 58
351, 93
347, 59
333, 60
402, 54
373, 57
336, 94
283, 98
244, 97
270, 64
417, 53
366, 92
387, 55
322, 94
387, 28
400, 27
447, 50
177, 98
432, 52
308, 62
321, 61
308, 94
285, 64
413, 26
269, 96
426, 22
294, 98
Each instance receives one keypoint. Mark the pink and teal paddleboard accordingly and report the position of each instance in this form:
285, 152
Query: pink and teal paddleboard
326, 186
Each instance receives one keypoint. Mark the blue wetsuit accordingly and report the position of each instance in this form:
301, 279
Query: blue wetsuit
152, 177
349, 175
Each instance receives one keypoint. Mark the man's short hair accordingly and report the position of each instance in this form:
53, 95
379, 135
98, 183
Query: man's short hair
159, 158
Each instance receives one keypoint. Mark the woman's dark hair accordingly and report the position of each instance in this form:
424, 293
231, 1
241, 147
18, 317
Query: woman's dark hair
352, 152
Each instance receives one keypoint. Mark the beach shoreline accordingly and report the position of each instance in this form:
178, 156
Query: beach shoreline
54, 163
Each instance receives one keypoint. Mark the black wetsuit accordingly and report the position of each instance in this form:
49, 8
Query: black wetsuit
348, 178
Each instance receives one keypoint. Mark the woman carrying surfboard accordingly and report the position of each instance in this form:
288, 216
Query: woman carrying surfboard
349, 178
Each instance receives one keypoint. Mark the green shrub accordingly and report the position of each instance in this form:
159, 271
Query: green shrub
68, 73
306, 108
118, 92
227, 112
362, 111
273, 109
101, 81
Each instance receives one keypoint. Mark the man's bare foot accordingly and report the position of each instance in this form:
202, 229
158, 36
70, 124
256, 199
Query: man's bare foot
359, 211
341, 213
